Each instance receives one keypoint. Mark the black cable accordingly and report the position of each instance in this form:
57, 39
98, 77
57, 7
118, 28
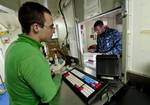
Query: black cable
121, 81
108, 99
66, 38
111, 90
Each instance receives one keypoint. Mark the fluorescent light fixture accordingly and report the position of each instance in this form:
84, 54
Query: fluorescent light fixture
4, 9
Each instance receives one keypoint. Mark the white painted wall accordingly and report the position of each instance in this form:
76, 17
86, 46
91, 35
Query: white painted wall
138, 37
11, 22
69, 15
90, 31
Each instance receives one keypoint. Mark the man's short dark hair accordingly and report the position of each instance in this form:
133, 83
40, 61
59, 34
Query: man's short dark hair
98, 23
30, 13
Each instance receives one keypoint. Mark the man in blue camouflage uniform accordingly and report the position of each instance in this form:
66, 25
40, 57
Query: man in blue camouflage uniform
108, 40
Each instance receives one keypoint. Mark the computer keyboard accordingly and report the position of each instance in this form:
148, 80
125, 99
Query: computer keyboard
83, 84
80, 85
95, 84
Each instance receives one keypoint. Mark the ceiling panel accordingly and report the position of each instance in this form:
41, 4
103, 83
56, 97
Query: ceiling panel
53, 6
15, 4
12, 4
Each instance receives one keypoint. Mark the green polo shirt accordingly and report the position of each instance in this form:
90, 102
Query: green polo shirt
28, 78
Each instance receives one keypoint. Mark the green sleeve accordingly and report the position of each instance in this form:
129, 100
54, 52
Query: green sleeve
35, 71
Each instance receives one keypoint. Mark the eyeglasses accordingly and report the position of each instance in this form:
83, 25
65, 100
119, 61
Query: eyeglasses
50, 26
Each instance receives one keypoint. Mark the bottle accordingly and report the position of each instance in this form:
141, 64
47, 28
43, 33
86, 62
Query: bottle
51, 60
56, 59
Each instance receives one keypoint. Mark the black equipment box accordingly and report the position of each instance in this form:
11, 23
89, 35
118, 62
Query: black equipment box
108, 65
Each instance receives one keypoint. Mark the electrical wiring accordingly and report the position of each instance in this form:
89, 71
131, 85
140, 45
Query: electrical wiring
61, 11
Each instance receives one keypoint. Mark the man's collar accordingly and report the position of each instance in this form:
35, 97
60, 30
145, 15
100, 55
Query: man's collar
30, 40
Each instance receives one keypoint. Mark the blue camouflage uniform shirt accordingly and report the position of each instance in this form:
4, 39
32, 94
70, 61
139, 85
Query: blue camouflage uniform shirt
109, 42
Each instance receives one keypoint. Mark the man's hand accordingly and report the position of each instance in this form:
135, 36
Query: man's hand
58, 69
91, 50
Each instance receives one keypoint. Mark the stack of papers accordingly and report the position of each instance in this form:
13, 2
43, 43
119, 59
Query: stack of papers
90, 59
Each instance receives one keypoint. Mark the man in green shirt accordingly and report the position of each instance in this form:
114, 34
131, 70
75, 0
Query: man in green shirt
28, 79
